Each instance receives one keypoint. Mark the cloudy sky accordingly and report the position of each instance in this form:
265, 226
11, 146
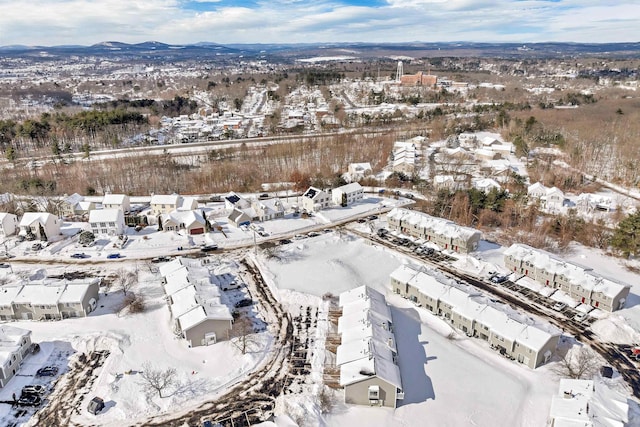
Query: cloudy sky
52, 22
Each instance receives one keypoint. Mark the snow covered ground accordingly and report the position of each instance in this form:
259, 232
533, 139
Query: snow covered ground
448, 378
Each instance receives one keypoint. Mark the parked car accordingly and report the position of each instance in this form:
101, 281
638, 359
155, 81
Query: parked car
34, 348
36, 389
313, 234
246, 302
114, 256
36, 246
29, 400
159, 259
372, 217
79, 256
47, 371
361, 220
209, 248
498, 279
284, 241
3, 265
581, 316
559, 306
95, 405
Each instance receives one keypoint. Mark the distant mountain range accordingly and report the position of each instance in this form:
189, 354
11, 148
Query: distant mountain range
153, 50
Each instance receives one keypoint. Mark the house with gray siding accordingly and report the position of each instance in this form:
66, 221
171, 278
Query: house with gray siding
14, 347
367, 355
466, 309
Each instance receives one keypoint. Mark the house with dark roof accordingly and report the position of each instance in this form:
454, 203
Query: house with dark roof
314, 200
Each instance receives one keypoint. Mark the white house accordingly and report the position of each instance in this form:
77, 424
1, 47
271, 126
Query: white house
42, 225
269, 209
485, 184
358, 171
188, 204
69, 205
191, 221
109, 222
9, 224
236, 201
116, 201
315, 199
347, 194
165, 203
14, 347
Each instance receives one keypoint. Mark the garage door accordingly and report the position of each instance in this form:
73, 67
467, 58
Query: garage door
197, 231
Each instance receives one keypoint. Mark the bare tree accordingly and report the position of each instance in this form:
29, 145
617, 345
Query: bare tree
581, 363
133, 303
243, 334
125, 280
156, 380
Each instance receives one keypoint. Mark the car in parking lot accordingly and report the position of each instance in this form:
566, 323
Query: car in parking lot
581, 316
79, 255
209, 248
36, 246
3, 265
114, 256
361, 220
33, 389
246, 302
559, 306
29, 400
498, 278
47, 371
284, 241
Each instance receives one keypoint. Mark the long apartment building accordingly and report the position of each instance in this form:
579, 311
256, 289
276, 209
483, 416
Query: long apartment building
14, 347
512, 334
49, 299
367, 355
444, 233
580, 282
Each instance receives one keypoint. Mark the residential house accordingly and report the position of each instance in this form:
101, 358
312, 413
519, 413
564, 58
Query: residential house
9, 224
367, 355
358, 171
192, 222
485, 185
70, 205
116, 201
347, 194
588, 403
443, 233
188, 204
550, 199
238, 217
165, 203
41, 225
14, 347
268, 209
107, 222
234, 200
465, 309
580, 282
47, 300
450, 182
314, 200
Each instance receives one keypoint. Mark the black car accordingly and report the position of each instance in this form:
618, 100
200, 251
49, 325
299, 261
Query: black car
284, 241
209, 248
244, 303
161, 259
3, 265
29, 400
47, 371
372, 217
79, 256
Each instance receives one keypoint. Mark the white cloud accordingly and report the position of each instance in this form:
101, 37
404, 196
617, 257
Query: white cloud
51, 22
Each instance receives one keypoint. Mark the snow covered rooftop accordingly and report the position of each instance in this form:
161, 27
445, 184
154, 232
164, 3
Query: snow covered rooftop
105, 215
440, 226
362, 369
585, 403
360, 348
114, 199
166, 199
188, 218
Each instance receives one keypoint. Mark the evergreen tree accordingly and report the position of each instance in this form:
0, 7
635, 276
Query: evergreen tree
626, 237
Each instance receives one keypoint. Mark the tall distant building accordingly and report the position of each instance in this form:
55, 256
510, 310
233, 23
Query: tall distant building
419, 79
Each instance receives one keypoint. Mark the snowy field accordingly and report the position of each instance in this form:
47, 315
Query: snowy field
448, 378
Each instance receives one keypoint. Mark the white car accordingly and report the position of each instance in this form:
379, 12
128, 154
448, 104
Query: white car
559, 306
581, 316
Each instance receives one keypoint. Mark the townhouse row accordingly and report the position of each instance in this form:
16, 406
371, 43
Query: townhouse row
49, 299
513, 335
580, 282
367, 356
444, 233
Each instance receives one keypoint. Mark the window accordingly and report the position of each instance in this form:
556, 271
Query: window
374, 392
